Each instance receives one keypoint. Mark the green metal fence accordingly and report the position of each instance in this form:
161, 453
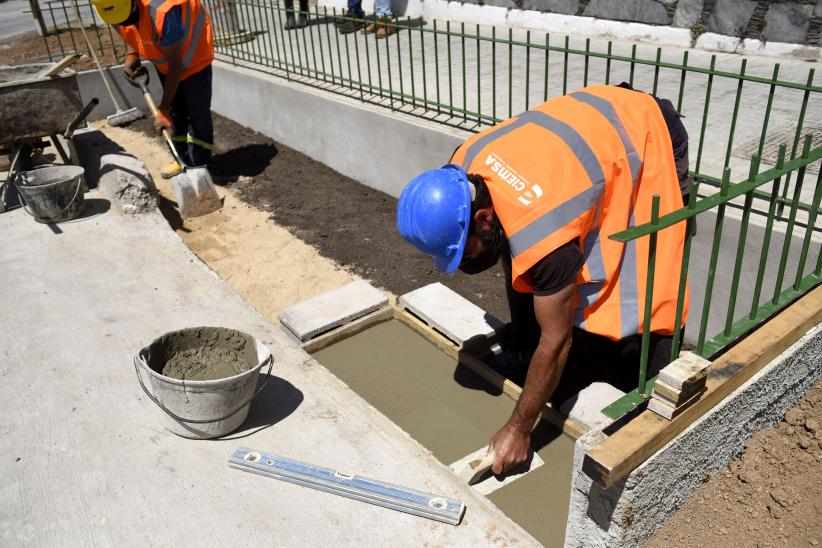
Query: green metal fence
61, 30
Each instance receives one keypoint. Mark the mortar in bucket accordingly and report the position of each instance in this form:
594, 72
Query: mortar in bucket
203, 378
52, 194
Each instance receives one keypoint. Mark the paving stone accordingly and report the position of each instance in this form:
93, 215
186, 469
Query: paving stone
314, 316
688, 13
126, 181
586, 407
454, 316
787, 22
643, 11
565, 7
731, 17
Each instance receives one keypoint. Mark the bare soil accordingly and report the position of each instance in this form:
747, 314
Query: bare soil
771, 495
29, 47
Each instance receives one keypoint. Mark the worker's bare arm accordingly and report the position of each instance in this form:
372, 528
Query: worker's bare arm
173, 55
553, 312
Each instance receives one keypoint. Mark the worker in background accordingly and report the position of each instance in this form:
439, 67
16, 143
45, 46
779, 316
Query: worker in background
176, 36
543, 191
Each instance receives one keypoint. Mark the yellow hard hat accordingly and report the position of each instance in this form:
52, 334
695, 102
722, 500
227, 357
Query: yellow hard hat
112, 12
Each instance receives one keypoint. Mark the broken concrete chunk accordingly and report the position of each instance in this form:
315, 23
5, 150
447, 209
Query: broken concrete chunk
451, 314
586, 407
685, 371
314, 316
126, 181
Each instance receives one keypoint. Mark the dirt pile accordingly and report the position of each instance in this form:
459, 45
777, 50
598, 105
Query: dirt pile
769, 496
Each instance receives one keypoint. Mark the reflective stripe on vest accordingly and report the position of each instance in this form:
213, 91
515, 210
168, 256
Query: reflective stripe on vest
195, 36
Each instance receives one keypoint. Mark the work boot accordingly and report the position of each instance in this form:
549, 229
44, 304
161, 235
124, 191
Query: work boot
290, 22
340, 21
371, 28
171, 169
302, 20
385, 27
351, 26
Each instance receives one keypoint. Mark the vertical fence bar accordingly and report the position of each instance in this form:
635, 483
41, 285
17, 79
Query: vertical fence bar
682, 75
649, 297
424, 76
683, 276
437, 65
96, 28
314, 51
290, 62
70, 28
608, 64
547, 52
786, 246
320, 45
565, 68
359, 66
479, 79
368, 66
735, 113
348, 59
656, 69
494, 73
806, 242
411, 62
399, 58
328, 39
510, 72
339, 57
709, 286
527, 67
56, 29
464, 85
797, 135
705, 114
450, 76
633, 65
768, 110
740, 248
587, 60
388, 66
766, 239
273, 47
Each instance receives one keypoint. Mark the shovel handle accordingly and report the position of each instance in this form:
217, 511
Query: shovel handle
141, 80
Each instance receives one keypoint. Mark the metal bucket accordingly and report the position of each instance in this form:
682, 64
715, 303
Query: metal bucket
52, 194
203, 409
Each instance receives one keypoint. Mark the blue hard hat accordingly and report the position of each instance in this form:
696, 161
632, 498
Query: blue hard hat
434, 213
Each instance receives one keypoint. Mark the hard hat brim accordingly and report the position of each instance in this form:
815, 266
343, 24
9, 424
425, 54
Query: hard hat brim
450, 263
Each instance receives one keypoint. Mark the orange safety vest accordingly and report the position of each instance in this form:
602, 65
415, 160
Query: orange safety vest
198, 48
585, 166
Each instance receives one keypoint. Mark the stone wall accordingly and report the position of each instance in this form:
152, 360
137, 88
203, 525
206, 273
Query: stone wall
789, 21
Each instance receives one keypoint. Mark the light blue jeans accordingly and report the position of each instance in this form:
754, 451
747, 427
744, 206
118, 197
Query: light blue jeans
382, 8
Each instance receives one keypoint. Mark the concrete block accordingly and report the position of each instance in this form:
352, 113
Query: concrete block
89, 145
586, 407
688, 13
731, 17
312, 317
787, 22
449, 313
126, 181
642, 11
492, 483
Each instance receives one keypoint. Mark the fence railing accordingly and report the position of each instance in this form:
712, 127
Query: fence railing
806, 276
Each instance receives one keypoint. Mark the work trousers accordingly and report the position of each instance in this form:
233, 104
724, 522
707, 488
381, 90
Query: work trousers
191, 116
289, 6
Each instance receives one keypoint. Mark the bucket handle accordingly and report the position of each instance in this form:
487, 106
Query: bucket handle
138, 360
27, 210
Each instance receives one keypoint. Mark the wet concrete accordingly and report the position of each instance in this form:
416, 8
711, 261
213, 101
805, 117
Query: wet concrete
202, 354
453, 412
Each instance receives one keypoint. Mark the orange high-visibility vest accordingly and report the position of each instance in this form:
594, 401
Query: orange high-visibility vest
198, 48
585, 166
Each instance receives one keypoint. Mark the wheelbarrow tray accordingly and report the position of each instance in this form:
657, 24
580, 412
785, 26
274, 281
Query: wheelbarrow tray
32, 107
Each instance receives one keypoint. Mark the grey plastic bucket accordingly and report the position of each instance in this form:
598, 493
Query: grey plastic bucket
52, 194
202, 409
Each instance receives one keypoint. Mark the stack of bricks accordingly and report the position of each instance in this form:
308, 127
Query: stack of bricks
679, 385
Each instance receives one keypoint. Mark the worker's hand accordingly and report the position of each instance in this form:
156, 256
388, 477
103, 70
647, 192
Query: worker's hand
510, 448
131, 64
162, 120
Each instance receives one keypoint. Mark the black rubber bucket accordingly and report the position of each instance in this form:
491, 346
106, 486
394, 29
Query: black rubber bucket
52, 194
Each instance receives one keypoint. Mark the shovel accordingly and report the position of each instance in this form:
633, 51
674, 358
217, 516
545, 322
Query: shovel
193, 188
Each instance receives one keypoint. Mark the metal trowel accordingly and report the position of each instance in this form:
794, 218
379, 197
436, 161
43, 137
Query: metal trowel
193, 188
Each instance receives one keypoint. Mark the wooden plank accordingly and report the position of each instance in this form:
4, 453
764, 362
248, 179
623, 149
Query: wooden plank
509, 388
348, 330
617, 456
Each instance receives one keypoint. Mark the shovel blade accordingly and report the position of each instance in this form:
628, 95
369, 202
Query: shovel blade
195, 193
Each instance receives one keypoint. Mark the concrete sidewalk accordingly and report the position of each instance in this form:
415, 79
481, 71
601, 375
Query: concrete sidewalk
84, 457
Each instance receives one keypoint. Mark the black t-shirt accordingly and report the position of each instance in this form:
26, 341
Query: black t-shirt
557, 269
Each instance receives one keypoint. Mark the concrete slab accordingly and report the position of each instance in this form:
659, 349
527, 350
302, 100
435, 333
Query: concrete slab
84, 457
449, 313
309, 318
586, 407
